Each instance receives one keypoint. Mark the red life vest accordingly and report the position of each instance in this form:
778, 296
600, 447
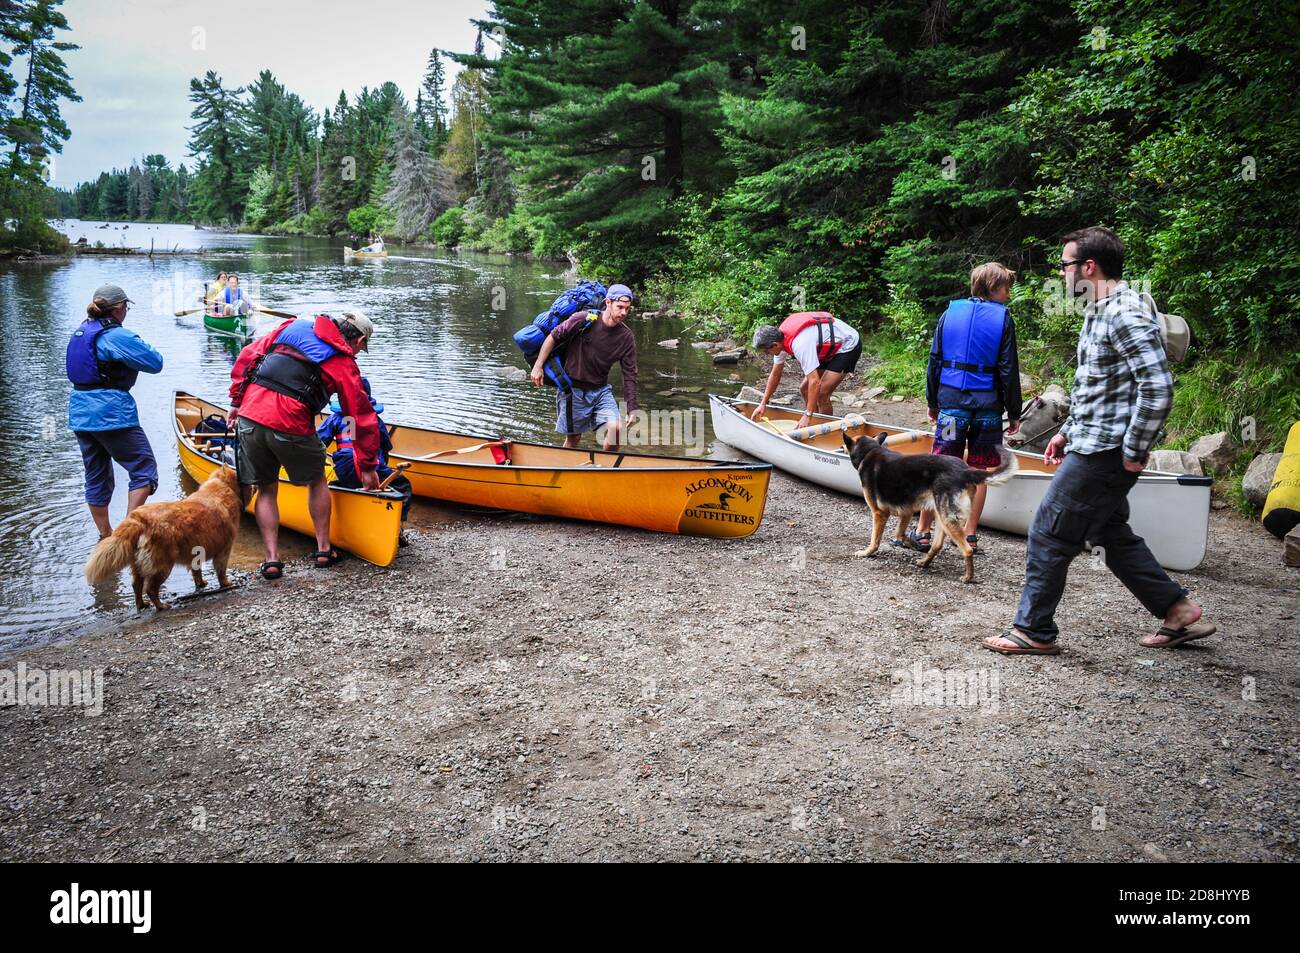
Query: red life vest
826, 342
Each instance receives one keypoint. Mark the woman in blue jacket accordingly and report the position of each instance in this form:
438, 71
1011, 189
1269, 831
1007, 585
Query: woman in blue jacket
103, 361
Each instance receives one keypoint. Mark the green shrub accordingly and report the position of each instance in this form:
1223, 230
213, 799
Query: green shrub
448, 227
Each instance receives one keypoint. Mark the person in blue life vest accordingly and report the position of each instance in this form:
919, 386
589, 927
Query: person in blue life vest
231, 300
103, 361
374, 247
338, 429
973, 376
826, 349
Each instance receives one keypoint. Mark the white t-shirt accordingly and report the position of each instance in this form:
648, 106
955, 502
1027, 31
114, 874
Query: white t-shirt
804, 345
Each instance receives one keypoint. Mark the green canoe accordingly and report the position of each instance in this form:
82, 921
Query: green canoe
235, 325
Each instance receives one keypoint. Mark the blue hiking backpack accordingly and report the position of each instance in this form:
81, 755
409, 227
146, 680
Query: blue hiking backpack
588, 294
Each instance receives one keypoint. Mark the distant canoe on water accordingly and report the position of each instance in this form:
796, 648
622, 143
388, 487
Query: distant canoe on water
355, 253
1170, 511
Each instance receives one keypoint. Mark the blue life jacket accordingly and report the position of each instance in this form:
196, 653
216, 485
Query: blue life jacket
531, 337
224, 295
969, 342
292, 366
336, 428
85, 369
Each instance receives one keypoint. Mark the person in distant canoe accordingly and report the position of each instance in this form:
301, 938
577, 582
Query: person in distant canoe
337, 429
232, 301
211, 291
279, 383
374, 247
973, 376
595, 343
103, 361
826, 349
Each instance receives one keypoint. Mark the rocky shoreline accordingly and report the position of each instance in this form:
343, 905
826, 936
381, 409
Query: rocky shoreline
517, 688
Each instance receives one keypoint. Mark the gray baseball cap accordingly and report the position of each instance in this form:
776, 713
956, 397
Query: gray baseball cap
111, 295
619, 291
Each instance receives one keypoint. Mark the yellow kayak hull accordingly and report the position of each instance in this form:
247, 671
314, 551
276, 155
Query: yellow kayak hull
663, 494
367, 525
353, 253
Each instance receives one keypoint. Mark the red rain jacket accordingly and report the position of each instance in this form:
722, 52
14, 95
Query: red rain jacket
288, 415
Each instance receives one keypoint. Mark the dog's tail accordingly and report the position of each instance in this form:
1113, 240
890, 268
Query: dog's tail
114, 552
1003, 472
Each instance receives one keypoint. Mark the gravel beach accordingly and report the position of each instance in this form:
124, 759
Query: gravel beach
523, 689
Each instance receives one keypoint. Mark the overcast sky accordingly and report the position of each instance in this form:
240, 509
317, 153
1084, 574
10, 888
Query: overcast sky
138, 56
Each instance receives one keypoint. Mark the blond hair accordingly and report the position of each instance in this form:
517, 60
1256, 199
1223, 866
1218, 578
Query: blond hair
987, 278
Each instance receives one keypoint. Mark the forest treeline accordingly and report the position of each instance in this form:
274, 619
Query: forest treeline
751, 153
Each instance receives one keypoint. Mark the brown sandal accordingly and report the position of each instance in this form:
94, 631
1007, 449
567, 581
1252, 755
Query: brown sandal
1188, 633
1026, 647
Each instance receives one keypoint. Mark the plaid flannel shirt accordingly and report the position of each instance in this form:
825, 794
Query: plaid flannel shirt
1123, 389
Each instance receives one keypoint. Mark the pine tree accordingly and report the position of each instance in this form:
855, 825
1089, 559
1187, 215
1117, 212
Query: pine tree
38, 128
419, 189
432, 98
218, 139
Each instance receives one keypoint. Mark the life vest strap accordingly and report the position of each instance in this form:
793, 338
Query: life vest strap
973, 368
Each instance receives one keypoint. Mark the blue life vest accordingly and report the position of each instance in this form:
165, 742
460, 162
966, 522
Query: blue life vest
969, 342
85, 369
292, 365
225, 295
531, 337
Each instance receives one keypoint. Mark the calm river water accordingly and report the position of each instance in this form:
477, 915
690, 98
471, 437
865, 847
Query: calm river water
442, 357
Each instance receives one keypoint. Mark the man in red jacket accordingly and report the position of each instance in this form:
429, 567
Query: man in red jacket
279, 383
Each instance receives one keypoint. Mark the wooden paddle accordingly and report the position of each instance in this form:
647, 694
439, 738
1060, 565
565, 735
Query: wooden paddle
275, 314
474, 449
181, 314
397, 470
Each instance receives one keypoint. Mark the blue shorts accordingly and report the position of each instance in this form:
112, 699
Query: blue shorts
129, 447
582, 411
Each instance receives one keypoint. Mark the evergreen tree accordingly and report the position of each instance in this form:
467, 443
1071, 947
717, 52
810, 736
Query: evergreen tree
431, 101
419, 189
38, 128
218, 139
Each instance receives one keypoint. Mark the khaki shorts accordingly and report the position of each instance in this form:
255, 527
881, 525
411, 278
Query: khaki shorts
263, 451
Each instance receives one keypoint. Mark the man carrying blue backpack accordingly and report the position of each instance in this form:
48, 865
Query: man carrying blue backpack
593, 343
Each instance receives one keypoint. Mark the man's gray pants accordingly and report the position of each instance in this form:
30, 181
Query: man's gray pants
1087, 502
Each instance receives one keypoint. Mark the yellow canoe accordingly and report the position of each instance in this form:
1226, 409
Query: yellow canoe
665, 494
362, 523
353, 253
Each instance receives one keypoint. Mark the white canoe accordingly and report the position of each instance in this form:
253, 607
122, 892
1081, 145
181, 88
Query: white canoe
1171, 511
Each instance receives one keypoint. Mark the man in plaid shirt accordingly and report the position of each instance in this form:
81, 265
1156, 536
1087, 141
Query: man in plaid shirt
1123, 391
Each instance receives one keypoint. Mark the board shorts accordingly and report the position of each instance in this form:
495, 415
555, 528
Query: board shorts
263, 451
844, 361
582, 411
977, 434
129, 447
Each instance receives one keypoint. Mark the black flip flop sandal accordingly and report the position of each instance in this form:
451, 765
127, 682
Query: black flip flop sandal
1026, 647
272, 569
331, 556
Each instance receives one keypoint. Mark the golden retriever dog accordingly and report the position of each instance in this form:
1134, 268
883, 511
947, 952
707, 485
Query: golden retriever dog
158, 536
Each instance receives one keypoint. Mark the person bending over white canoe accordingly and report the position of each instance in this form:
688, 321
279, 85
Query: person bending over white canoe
826, 349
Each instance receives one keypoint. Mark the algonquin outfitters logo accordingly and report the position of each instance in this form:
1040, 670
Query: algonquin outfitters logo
714, 503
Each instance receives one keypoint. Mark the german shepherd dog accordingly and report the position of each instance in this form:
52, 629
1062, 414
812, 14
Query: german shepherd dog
157, 536
901, 484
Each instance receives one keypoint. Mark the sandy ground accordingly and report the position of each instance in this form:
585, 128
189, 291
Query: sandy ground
516, 688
